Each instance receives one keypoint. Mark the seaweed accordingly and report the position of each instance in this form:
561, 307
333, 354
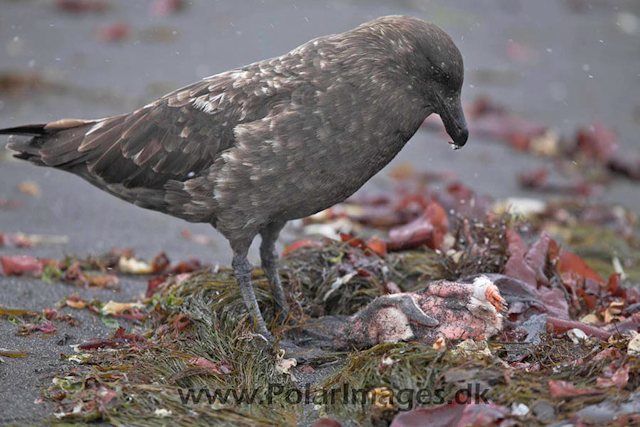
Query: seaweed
141, 380
416, 375
194, 337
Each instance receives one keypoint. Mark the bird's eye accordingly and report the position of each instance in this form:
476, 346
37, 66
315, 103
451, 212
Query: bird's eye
440, 76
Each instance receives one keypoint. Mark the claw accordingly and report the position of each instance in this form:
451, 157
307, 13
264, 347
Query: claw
266, 340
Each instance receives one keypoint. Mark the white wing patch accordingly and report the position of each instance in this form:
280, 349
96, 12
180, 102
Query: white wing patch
204, 103
96, 127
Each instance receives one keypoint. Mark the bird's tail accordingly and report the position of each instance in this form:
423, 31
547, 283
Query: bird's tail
60, 145
26, 141
48, 144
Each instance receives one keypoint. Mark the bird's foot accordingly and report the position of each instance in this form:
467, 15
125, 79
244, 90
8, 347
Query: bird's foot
264, 336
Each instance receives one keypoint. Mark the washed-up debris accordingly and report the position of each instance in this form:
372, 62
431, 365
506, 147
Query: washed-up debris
53, 314
473, 348
284, 365
626, 166
215, 368
587, 290
6, 311
83, 6
200, 239
197, 322
133, 266
30, 188
9, 204
611, 410
577, 335
619, 378
326, 267
593, 232
428, 230
453, 415
590, 148
46, 328
587, 160
9, 240
116, 32
162, 413
183, 351
304, 243
413, 213
634, 345
13, 354
325, 422
559, 388
21, 240
119, 308
33, 321
119, 338
167, 7
597, 144
95, 272
77, 276
157, 34
76, 302
538, 180
18, 265
22, 83
16, 82
553, 294
565, 342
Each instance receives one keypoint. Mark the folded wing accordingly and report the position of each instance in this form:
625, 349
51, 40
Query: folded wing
173, 138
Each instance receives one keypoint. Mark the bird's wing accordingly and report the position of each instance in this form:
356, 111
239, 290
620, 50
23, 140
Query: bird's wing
173, 138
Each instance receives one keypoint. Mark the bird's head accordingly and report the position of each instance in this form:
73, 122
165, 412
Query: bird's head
433, 63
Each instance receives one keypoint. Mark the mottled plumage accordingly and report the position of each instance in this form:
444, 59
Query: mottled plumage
249, 149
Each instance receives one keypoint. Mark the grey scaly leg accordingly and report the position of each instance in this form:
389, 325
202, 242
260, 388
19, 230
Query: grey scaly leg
242, 269
269, 258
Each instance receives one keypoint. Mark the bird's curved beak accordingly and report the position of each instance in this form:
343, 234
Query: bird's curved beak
453, 118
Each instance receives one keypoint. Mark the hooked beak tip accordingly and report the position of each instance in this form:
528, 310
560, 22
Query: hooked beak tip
454, 122
460, 138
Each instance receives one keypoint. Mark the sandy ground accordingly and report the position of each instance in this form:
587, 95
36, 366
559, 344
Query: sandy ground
582, 66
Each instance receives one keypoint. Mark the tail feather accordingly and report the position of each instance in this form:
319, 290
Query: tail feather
76, 146
33, 142
23, 141
36, 129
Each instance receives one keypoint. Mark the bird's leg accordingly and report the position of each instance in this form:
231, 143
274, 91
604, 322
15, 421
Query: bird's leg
242, 269
269, 259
